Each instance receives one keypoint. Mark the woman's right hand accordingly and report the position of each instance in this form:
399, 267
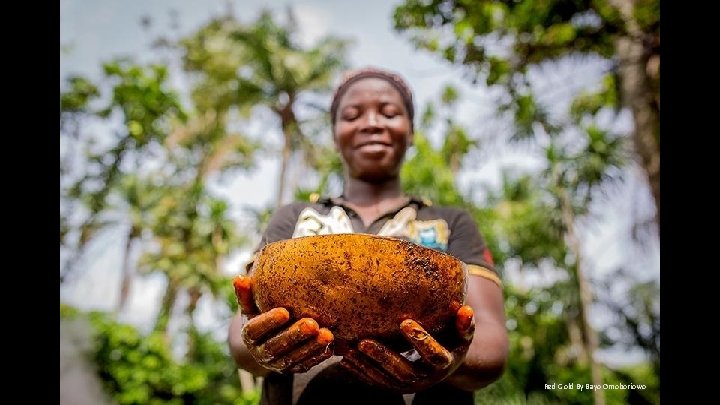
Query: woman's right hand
277, 343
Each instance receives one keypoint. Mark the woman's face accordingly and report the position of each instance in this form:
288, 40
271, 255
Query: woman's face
372, 130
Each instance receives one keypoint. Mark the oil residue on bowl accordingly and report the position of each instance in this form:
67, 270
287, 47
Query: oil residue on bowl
359, 285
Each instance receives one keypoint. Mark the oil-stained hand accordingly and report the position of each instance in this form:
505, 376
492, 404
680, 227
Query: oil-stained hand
276, 342
430, 362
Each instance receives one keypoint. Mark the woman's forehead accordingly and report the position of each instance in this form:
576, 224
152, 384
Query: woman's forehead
370, 87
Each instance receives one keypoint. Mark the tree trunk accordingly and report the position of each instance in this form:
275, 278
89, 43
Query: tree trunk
576, 339
195, 295
247, 381
127, 271
638, 95
289, 127
168, 302
585, 296
283, 169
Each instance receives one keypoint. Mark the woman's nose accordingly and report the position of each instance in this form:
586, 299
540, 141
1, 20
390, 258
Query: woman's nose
371, 120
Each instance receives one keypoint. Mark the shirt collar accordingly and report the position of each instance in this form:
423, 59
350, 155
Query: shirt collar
339, 200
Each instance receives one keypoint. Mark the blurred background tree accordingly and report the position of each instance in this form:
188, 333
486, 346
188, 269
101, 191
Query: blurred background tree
505, 43
149, 184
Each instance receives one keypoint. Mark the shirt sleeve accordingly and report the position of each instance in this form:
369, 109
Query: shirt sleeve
280, 227
467, 244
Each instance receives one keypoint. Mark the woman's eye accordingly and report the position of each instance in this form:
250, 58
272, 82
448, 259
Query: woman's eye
350, 115
390, 111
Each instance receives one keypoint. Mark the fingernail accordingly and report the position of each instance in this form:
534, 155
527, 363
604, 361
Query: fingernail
324, 337
307, 326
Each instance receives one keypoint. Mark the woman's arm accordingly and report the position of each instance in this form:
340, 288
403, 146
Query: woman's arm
486, 358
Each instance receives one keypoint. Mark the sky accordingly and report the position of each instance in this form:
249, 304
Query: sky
93, 31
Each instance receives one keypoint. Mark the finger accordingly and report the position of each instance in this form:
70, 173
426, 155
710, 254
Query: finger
428, 348
243, 292
312, 353
285, 341
263, 324
361, 366
306, 365
393, 363
465, 322
303, 358
359, 373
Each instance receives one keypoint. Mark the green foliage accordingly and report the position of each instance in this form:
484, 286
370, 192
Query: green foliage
140, 369
637, 314
185, 231
68, 311
192, 232
528, 222
537, 335
429, 171
457, 144
536, 30
526, 113
148, 109
257, 64
449, 96
488, 221
79, 95
529, 229
328, 169
505, 43
178, 227
507, 390
647, 14
498, 71
592, 163
521, 222
146, 103
541, 353
427, 174
641, 374
223, 386
590, 103
262, 65
604, 154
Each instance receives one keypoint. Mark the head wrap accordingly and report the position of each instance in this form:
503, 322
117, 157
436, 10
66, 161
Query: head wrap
353, 76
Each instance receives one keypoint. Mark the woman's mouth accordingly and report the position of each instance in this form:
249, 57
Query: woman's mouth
373, 147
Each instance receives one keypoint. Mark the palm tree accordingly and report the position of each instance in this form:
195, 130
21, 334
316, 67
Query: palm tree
538, 217
139, 195
574, 180
264, 65
505, 44
192, 235
147, 107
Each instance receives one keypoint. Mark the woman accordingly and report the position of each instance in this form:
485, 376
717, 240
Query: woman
372, 121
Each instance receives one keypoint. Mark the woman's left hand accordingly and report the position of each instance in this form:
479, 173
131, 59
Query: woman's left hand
377, 364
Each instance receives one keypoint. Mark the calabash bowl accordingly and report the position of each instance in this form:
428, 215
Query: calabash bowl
359, 285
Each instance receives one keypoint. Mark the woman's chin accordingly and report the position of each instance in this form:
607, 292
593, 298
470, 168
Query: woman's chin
377, 176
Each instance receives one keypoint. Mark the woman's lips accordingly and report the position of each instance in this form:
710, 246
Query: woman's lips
373, 147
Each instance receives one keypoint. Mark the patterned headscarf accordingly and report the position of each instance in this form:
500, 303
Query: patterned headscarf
393, 78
